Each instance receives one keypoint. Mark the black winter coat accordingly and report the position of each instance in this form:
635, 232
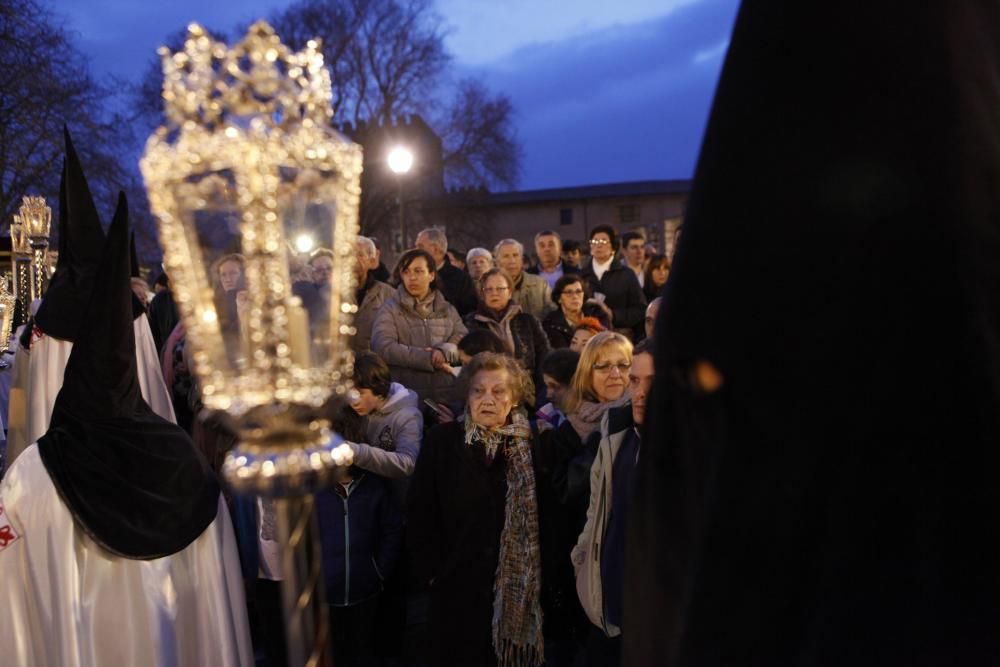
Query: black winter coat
530, 342
557, 329
361, 533
458, 288
622, 294
455, 516
562, 478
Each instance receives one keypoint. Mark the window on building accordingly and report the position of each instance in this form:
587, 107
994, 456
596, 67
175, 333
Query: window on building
628, 214
565, 216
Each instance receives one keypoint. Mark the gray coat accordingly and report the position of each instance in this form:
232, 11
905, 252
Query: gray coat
401, 337
394, 432
364, 320
534, 295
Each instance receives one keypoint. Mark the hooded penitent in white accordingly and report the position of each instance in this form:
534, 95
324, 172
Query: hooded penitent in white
116, 546
60, 315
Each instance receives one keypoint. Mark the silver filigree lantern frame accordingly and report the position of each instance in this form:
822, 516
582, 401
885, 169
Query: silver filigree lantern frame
251, 123
247, 147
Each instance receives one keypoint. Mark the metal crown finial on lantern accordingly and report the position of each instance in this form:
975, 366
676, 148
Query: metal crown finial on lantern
248, 161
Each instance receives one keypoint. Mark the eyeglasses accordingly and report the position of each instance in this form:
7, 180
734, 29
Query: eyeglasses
572, 292
600, 242
495, 290
607, 367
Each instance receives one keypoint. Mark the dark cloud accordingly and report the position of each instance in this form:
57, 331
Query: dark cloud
625, 103
121, 36
618, 104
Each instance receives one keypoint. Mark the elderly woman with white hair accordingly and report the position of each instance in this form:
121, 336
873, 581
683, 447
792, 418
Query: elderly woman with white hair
530, 291
477, 262
473, 527
369, 295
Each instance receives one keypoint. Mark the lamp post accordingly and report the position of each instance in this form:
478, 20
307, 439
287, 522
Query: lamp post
248, 162
400, 161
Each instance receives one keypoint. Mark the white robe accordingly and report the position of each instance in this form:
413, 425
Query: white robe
46, 366
66, 601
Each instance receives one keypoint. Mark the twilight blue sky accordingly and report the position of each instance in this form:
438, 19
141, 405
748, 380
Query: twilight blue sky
603, 92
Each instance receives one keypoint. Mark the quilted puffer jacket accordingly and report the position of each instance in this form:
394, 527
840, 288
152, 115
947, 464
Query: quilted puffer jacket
405, 340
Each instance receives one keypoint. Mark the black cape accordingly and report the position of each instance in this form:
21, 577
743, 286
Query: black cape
835, 502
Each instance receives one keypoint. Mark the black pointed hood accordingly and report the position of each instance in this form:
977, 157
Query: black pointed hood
132, 480
81, 246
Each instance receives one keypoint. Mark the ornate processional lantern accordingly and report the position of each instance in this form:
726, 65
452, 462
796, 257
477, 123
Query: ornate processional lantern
247, 161
29, 238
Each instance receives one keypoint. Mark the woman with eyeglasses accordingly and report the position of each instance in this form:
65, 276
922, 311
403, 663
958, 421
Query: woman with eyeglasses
563, 460
414, 327
498, 314
570, 293
606, 275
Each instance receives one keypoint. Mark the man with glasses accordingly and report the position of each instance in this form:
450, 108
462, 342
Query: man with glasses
617, 283
599, 556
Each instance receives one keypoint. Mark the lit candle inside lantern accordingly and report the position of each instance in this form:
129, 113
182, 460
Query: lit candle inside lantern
298, 332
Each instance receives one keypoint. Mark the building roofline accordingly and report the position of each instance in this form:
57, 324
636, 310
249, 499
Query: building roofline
584, 192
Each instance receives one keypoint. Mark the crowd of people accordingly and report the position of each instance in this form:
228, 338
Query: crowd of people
495, 424
478, 524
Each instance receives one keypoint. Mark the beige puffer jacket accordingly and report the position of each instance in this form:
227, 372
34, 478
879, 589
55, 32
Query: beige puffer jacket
402, 338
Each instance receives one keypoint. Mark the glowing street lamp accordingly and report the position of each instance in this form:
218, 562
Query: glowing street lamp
400, 161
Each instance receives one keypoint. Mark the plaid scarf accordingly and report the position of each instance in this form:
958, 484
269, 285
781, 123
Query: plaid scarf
517, 609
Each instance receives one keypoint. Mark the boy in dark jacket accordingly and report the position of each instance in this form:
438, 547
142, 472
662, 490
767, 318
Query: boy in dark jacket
361, 532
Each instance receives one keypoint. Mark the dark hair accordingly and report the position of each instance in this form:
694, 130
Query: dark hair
349, 425
371, 372
595, 311
631, 236
483, 340
565, 281
655, 262
607, 229
407, 258
561, 364
645, 346
162, 280
569, 245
